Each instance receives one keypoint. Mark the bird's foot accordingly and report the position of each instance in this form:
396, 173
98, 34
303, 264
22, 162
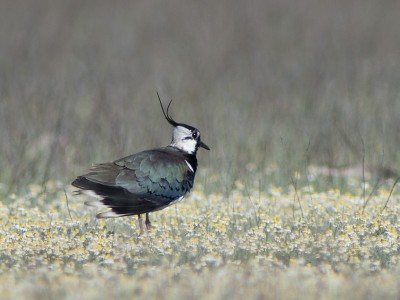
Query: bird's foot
148, 223
141, 225
149, 226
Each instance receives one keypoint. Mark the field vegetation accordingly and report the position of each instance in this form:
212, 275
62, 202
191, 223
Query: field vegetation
298, 101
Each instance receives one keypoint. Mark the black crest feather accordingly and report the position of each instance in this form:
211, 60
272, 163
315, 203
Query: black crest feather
166, 115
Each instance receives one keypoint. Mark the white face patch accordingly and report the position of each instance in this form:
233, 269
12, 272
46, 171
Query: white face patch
183, 140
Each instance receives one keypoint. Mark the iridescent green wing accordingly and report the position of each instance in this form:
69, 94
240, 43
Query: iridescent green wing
163, 173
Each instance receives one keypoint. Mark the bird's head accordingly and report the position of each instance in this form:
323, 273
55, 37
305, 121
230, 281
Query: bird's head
184, 137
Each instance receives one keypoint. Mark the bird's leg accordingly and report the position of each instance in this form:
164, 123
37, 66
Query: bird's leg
141, 223
148, 223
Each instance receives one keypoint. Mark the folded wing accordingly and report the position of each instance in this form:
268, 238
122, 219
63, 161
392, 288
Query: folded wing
137, 184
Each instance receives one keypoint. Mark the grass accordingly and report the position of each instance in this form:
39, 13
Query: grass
269, 83
298, 102
250, 243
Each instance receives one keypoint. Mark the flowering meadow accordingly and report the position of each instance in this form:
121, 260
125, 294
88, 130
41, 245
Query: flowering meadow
299, 102
280, 243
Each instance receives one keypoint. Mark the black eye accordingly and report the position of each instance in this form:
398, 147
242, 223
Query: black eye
194, 135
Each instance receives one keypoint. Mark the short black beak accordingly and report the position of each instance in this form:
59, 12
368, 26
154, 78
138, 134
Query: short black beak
204, 145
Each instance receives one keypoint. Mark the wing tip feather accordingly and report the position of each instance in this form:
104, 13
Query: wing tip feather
95, 203
108, 214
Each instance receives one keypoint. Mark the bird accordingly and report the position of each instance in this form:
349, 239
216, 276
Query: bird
147, 181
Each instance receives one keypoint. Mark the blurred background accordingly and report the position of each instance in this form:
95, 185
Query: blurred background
272, 85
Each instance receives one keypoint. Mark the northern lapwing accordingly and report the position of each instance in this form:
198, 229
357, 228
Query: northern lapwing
146, 181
